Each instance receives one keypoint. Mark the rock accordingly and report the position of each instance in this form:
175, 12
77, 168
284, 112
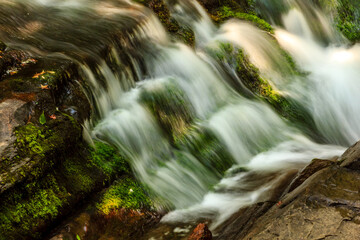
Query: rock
243, 220
12, 114
201, 232
351, 157
120, 224
11, 60
326, 206
315, 166
322, 202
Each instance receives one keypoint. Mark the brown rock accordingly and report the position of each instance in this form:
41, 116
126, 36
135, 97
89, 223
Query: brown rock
315, 166
325, 206
351, 157
201, 232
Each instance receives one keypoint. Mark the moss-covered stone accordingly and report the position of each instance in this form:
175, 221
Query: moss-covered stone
108, 159
261, 87
348, 19
225, 12
27, 209
180, 33
170, 107
207, 149
124, 193
49, 169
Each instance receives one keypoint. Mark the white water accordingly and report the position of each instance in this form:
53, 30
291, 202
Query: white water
253, 134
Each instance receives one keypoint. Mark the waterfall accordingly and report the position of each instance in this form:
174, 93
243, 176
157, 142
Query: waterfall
203, 147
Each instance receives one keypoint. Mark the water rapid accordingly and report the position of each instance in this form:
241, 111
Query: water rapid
194, 133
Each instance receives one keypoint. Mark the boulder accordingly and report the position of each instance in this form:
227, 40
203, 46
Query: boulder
321, 202
351, 157
12, 114
326, 206
315, 166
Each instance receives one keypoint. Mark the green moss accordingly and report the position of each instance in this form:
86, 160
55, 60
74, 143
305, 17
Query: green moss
30, 139
348, 19
125, 193
205, 146
78, 173
226, 12
260, 87
170, 107
108, 159
30, 207
183, 34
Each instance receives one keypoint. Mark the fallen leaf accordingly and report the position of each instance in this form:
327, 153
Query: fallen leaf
42, 118
44, 86
52, 116
39, 74
51, 72
279, 203
13, 72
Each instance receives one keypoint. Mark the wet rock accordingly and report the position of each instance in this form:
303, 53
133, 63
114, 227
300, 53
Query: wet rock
120, 224
243, 220
201, 232
315, 166
326, 206
2, 46
11, 61
351, 157
45, 169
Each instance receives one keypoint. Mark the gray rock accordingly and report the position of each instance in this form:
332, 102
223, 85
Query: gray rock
12, 114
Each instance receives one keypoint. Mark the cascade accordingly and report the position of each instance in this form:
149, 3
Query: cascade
202, 146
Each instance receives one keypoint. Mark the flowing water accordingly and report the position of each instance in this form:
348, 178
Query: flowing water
202, 146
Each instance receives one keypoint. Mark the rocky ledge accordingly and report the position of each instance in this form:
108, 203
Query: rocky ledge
46, 168
322, 202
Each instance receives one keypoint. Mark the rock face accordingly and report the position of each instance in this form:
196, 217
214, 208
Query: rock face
322, 202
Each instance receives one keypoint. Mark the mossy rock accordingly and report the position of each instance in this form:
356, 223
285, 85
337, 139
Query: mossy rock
246, 6
170, 107
348, 19
225, 12
28, 209
261, 87
124, 193
178, 32
38, 148
207, 149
